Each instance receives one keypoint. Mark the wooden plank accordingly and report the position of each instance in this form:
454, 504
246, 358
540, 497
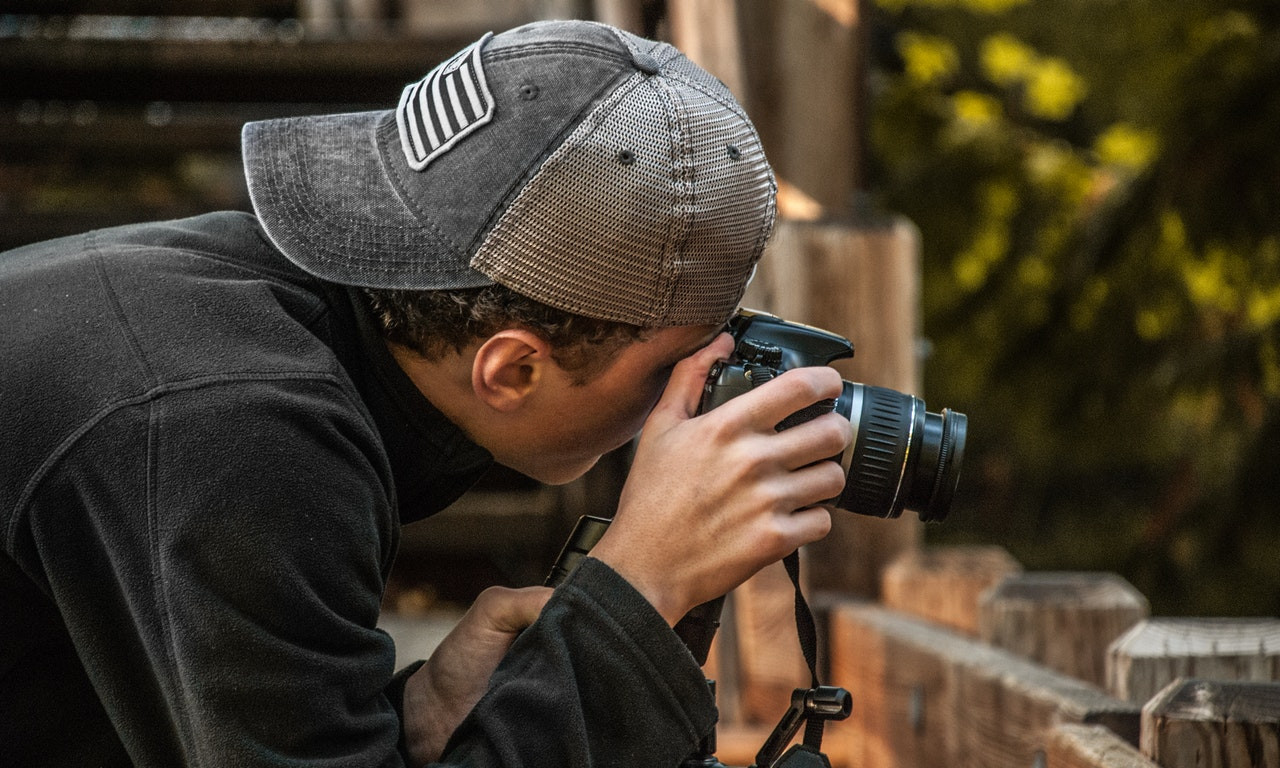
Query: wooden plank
1155, 652
855, 277
850, 559
1091, 746
943, 584
900, 694
1213, 724
1064, 620
474, 17
270, 8
927, 696
881, 296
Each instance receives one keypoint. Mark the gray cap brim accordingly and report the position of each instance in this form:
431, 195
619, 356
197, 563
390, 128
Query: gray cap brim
319, 187
580, 166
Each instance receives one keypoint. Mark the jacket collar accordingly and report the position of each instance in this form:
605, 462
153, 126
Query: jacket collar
432, 460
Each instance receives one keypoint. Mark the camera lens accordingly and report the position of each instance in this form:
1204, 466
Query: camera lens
902, 456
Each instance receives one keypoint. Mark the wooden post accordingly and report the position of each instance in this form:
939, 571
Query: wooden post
1155, 652
861, 282
1090, 746
808, 259
1211, 724
926, 696
943, 584
623, 14
708, 32
797, 67
794, 66
1065, 621
804, 73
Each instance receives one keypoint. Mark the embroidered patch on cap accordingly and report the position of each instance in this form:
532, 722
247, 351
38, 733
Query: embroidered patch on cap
452, 101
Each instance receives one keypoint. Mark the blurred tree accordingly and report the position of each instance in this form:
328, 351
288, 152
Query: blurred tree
1098, 187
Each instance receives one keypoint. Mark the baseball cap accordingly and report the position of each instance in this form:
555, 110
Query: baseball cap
579, 165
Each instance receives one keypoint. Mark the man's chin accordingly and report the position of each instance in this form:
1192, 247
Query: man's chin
562, 473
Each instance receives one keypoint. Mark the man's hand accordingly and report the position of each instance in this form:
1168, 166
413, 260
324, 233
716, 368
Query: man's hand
714, 498
440, 694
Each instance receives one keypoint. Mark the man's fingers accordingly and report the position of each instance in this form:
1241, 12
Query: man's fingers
805, 526
683, 394
825, 437
767, 405
814, 484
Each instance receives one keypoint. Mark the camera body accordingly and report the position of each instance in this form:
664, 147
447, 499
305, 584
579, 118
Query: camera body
901, 456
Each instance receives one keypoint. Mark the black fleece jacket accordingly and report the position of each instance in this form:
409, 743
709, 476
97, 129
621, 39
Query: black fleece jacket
205, 458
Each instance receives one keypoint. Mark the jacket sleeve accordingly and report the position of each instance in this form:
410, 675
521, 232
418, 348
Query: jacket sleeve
599, 679
223, 583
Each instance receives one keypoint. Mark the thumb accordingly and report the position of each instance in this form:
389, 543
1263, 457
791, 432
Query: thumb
510, 610
683, 395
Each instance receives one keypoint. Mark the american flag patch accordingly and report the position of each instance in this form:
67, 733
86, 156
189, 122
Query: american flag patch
452, 101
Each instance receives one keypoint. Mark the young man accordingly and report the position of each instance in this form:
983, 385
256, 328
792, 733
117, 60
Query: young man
213, 428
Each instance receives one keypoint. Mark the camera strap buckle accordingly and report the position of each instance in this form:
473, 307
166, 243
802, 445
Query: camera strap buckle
813, 706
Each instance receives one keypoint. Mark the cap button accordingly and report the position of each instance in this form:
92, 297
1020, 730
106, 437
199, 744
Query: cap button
645, 63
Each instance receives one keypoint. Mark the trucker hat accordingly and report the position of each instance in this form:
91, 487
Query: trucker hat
576, 164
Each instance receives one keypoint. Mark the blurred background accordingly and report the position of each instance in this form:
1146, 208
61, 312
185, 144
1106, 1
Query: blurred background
1098, 190
1093, 184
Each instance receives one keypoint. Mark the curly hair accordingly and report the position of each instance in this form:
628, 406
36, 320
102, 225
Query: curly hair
434, 322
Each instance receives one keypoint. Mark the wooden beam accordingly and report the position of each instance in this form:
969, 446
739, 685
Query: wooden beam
623, 14
1065, 621
1090, 746
803, 63
321, 71
926, 696
795, 66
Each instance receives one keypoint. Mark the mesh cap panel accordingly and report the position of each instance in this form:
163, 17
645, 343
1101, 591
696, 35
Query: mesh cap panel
731, 182
639, 215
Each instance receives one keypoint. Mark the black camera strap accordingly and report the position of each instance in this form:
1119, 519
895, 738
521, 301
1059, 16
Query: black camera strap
811, 706
807, 631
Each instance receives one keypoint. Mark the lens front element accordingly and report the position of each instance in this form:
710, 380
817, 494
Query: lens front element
903, 456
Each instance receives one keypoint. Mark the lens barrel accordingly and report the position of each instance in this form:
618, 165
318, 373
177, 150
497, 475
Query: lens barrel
902, 456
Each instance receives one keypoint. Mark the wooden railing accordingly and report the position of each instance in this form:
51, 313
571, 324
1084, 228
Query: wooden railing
967, 661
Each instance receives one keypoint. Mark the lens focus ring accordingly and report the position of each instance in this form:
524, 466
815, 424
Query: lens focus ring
879, 456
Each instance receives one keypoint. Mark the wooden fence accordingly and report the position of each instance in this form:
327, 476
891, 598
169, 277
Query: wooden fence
966, 661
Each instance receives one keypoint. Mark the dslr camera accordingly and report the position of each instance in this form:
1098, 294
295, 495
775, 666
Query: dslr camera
901, 457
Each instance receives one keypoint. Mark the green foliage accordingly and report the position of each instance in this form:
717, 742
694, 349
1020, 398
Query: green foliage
1098, 187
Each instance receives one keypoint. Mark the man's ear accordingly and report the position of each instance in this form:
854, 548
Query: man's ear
508, 367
